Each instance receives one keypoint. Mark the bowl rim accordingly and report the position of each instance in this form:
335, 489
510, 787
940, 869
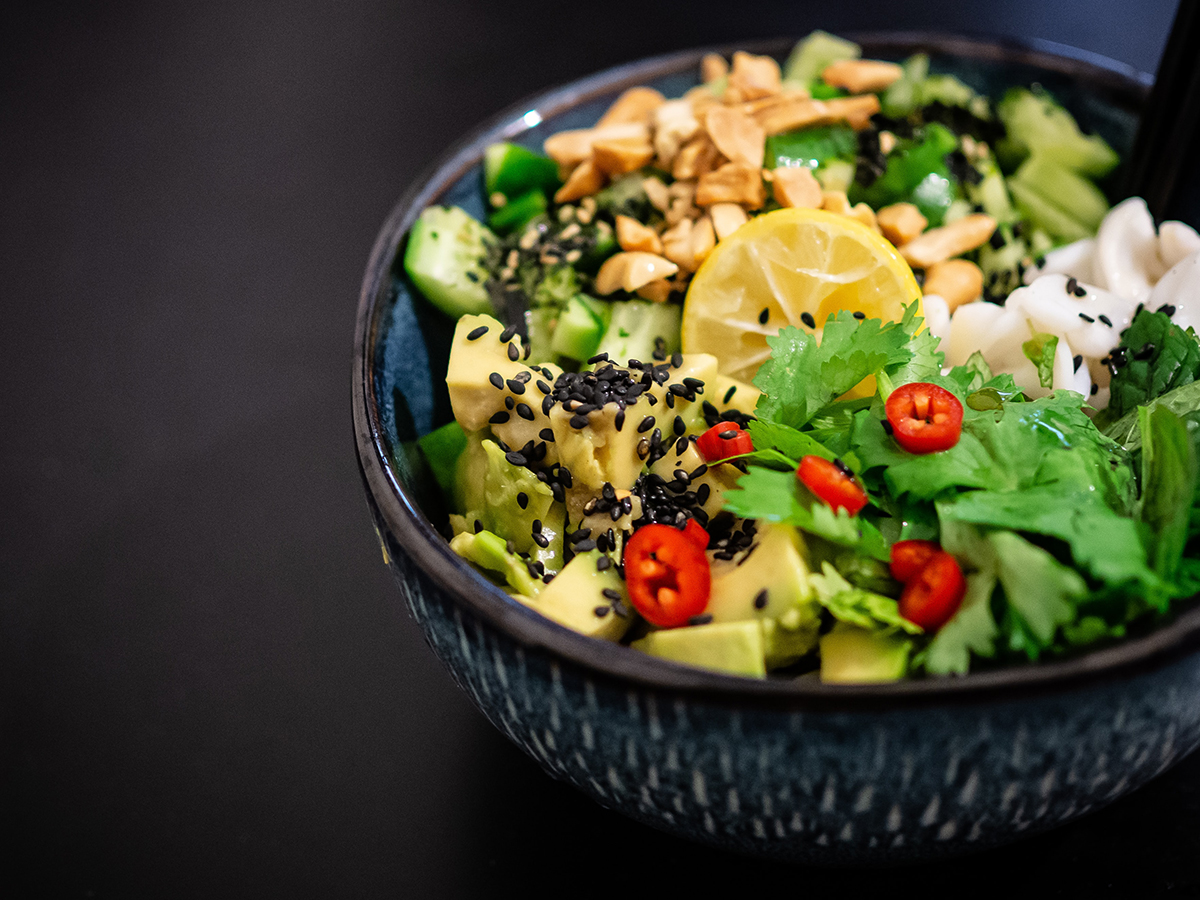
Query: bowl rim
417, 537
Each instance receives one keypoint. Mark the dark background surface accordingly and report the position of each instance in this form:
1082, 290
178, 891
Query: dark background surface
209, 687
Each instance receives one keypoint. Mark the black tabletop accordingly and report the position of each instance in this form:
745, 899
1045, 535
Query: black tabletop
209, 686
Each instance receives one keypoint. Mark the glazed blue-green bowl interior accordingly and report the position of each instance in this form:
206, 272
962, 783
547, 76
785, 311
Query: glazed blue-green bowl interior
789, 769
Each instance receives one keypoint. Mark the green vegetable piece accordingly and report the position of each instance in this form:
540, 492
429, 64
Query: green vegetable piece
971, 630
1071, 194
852, 655
1160, 357
819, 90
512, 170
1046, 215
1041, 590
445, 259
637, 327
1040, 350
810, 57
945, 89
578, 332
985, 398
856, 606
916, 173
518, 212
733, 647
442, 448
811, 147
487, 551
1036, 123
905, 95
1169, 475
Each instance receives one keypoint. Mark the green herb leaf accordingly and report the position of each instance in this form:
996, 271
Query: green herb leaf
1159, 357
856, 606
1040, 350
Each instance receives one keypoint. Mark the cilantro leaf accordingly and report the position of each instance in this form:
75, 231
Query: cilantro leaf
970, 630
802, 377
856, 606
1159, 357
788, 441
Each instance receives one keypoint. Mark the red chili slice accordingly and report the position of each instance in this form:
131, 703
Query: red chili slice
935, 593
667, 575
925, 418
910, 557
723, 440
696, 533
834, 484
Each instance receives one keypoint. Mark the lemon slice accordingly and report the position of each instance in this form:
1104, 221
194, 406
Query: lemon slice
793, 264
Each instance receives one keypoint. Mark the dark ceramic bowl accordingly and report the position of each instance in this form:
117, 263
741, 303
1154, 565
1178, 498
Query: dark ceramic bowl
793, 770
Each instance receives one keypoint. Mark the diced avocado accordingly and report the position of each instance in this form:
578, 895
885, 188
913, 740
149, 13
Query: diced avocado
813, 54
1059, 186
733, 647
516, 213
512, 170
599, 452
720, 478
853, 655
575, 594
445, 260
503, 511
635, 327
442, 448
487, 551
470, 475
769, 583
1036, 123
699, 366
578, 332
729, 393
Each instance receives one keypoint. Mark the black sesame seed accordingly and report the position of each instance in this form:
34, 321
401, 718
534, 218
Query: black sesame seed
727, 435
515, 386
729, 394
808, 320
678, 390
760, 599
1072, 283
513, 353
510, 547
670, 400
602, 611
764, 315
701, 619
564, 477
616, 511
477, 333
543, 387
677, 359
702, 494
859, 314
1166, 308
497, 380
578, 421
522, 499
1105, 319
548, 577
499, 418
1095, 389
478, 526
611, 594
585, 546
537, 526
603, 564
1086, 318
619, 420
507, 334
599, 357
547, 403
678, 425
524, 411
515, 458
680, 446
645, 425
1137, 312
509, 402
1081, 291
1077, 361
542, 541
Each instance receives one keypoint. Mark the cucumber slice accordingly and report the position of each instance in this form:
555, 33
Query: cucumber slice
992, 194
445, 260
539, 325
1056, 222
810, 56
516, 213
1036, 123
635, 328
512, 170
578, 332
1058, 185
904, 95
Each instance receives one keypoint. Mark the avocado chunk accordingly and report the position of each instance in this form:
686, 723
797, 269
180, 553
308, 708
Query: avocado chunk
445, 260
575, 599
487, 551
600, 452
733, 647
770, 582
853, 655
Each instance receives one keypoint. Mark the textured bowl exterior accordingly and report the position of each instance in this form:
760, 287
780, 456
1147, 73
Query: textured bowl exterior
798, 772
825, 787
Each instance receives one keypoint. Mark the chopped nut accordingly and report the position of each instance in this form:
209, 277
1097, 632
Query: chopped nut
656, 291
703, 240
732, 183
619, 156
584, 180
901, 222
957, 281
633, 235
674, 125
866, 215
712, 67
677, 244
635, 105
938, 244
682, 203
801, 112
796, 186
726, 218
861, 76
656, 193
736, 135
630, 271
835, 202
752, 77
570, 148
887, 142
699, 155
